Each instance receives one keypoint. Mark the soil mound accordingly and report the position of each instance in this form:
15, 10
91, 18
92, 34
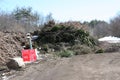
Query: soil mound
10, 45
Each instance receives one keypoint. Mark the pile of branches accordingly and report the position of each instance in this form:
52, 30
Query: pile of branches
66, 34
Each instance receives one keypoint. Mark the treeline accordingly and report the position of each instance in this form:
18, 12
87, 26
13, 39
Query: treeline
99, 28
26, 20
22, 20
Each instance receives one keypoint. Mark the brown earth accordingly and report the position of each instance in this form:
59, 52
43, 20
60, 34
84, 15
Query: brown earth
83, 67
10, 45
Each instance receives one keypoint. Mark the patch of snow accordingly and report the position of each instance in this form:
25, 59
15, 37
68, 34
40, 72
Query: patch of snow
110, 39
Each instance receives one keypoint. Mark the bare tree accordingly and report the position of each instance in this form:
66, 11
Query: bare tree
115, 26
101, 29
49, 18
8, 23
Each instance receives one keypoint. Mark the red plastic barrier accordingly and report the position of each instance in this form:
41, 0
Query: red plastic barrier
29, 55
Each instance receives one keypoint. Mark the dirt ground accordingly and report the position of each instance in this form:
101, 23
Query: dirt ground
83, 67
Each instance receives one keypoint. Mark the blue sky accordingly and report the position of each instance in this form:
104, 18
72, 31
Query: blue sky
64, 10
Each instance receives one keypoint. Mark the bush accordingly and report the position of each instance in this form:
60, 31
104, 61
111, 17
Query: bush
81, 49
100, 51
66, 53
45, 47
